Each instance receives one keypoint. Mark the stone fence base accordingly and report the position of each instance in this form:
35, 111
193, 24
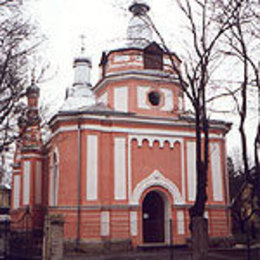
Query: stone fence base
53, 238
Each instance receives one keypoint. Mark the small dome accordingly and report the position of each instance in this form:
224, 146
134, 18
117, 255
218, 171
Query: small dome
82, 59
33, 90
139, 7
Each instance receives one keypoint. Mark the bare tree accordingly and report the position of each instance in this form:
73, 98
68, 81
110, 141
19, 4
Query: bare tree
205, 33
243, 42
19, 40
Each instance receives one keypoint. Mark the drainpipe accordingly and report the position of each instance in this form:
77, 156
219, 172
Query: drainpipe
78, 187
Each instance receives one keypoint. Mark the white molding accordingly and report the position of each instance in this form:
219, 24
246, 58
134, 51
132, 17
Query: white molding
180, 103
16, 192
156, 179
105, 223
129, 168
54, 184
217, 178
142, 92
133, 223
38, 183
56, 151
180, 222
26, 182
124, 65
144, 131
191, 170
161, 121
119, 168
168, 99
17, 171
121, 99
92, 167
121, 58
152, 75
32, 155
183, 177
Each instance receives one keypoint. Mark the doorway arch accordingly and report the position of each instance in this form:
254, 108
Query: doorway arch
155, 212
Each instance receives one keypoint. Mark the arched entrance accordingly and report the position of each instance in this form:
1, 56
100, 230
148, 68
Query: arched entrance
153, 210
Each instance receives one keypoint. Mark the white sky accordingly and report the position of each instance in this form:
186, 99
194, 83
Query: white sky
104, 24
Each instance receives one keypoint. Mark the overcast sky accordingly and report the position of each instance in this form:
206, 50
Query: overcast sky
104, 23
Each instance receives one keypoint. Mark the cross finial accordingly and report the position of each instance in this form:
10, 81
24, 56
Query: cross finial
33, 76
82, 37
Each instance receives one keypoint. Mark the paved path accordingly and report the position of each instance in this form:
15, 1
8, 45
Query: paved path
165, 255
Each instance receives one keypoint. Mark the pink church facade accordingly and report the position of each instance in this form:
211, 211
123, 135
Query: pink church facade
121, 165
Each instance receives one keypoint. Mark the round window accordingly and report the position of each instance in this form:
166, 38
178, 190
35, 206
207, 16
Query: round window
154, 98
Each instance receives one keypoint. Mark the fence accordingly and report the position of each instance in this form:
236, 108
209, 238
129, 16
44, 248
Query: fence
4, 237
116, 232
24, 243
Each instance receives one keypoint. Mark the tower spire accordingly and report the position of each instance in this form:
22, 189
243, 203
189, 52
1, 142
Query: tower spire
139, 32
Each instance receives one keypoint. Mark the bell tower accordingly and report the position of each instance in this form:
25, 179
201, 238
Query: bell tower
28, 178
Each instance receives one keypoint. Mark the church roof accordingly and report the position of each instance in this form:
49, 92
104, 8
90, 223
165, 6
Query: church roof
98, 108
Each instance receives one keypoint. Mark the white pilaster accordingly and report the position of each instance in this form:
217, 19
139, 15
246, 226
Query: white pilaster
92, 167
121, 99
191, 161
216, 172
105, 223
120, 168
133, 223
168, 99
180, 222
17, 190
142, 97
38, 183
26, 182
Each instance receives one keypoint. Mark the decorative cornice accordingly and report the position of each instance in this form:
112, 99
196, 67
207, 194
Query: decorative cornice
151, 139
151, 75
154, 180
132, 119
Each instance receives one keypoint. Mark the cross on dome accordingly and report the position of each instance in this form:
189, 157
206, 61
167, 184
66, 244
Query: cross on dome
83, 44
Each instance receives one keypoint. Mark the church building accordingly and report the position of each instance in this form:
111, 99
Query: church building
120, 161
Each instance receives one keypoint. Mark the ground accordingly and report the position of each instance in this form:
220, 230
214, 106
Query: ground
178, 254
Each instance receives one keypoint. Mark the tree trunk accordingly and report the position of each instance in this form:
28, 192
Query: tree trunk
199, 233
198, 225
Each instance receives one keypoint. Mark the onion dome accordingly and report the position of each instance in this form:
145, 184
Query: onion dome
33, 91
